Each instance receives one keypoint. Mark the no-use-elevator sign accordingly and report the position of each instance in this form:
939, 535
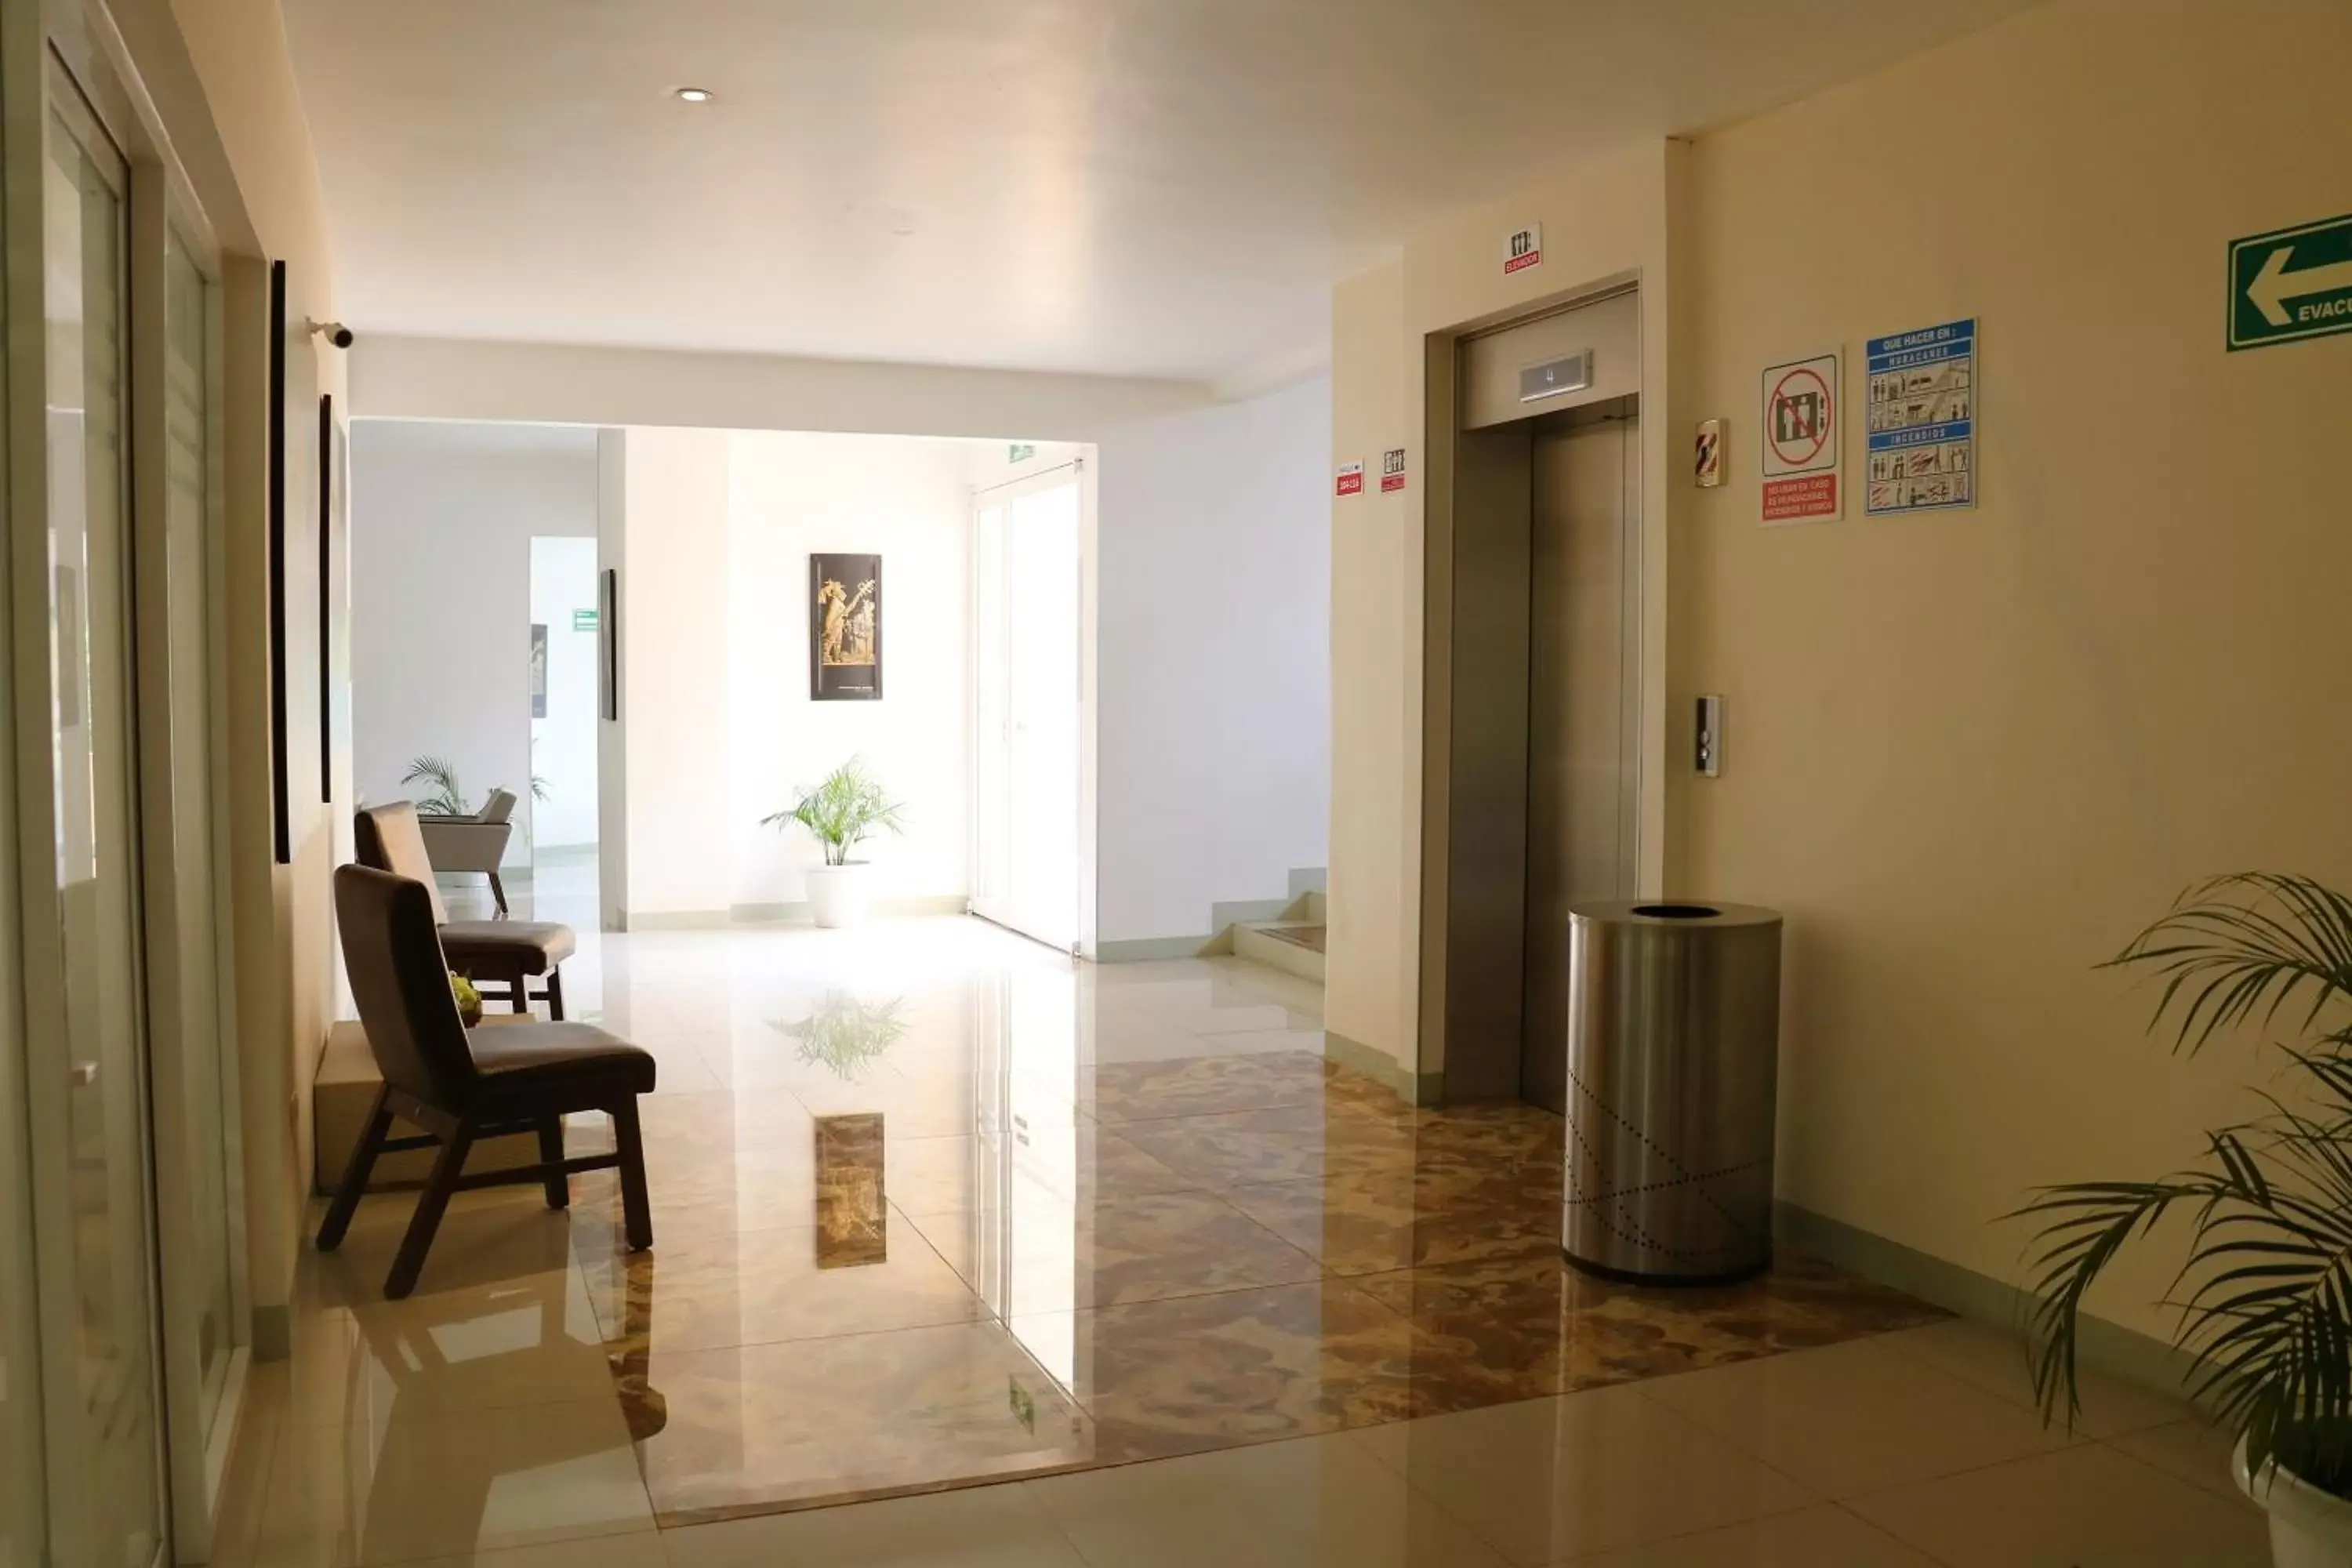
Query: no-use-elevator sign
1799, 448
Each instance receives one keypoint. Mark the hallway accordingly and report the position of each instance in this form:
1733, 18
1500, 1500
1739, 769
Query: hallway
1111, 1214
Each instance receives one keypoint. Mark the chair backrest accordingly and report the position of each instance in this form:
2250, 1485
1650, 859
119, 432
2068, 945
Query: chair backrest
388, 839
400, 982
500, 807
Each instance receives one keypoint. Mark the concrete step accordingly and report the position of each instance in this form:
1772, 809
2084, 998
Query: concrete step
1296, 946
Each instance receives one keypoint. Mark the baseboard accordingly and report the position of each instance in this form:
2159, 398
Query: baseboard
676, 919
1414, 1089
783, 914
2104, 1346
1154, 949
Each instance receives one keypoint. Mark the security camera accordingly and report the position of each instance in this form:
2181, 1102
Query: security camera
336, 333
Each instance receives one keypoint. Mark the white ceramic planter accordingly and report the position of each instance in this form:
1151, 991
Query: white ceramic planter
2309, 1528
838, 895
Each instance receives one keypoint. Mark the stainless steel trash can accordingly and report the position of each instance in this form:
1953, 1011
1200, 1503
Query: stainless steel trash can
1672, 1060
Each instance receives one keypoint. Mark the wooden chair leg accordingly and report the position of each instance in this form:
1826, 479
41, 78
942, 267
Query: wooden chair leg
355, 1172
499, 892
555, 994
430, 1206
551, 1153
519, 989
636, 1205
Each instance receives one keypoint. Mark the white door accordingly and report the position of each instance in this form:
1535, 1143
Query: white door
1025, 793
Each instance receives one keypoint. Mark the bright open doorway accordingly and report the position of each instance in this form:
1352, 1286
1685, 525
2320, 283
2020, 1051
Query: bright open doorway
1028, 594
563, 653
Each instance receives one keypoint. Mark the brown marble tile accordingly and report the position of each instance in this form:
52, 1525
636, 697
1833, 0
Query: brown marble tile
757, 1287
1519, 1328
1195, 1373
764, 1428
1125, 1093
1150, 1248
1326, 1140
1403, 1218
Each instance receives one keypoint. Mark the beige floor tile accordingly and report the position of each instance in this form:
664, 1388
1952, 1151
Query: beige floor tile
1825, 1537
488, 1237
2193, 1449
398, 1485
980, 1527
1854, 1417
1996, 1362
1307, 1504
1546, 1480
757, 1286
639, 1548
2087, 1507
528, 1340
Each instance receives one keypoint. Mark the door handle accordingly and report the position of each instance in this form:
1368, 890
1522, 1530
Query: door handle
81, 1075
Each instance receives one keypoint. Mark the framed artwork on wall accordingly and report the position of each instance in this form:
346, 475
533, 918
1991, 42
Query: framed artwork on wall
844, 628
281, 808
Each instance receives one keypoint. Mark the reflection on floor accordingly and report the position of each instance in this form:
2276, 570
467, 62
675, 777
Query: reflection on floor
934, 1207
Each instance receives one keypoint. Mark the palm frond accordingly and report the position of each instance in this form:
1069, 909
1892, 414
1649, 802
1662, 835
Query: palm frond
446, 797
2264, 1296
843, 811
2245, 944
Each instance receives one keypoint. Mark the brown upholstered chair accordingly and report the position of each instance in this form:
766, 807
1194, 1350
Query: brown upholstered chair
463, 1087
502, 953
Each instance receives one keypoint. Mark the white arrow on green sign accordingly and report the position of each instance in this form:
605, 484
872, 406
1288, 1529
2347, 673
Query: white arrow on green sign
2291, 283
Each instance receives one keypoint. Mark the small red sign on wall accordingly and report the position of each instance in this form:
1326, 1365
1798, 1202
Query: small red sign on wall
1794, 500
1393, 469
1351, 480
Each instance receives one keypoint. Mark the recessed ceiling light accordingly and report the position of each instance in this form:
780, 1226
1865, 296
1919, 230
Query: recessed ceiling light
695, 95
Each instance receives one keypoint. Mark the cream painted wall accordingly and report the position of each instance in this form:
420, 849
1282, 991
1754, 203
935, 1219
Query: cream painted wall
223, 78
1968, 754
1603, 223
673, 662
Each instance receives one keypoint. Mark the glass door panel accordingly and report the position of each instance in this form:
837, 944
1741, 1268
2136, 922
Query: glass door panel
201, 1077
1041, 752
111, 1354
990, 811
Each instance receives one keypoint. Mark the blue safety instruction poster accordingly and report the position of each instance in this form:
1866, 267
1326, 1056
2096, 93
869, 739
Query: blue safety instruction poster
1923, 420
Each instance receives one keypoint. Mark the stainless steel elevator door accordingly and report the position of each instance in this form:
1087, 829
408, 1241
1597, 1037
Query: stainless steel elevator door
1581, 788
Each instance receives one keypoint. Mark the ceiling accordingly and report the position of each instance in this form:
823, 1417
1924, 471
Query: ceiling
1155, 187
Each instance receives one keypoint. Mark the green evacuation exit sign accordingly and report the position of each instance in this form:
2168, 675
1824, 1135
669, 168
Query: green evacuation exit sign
583, 620
2291, 283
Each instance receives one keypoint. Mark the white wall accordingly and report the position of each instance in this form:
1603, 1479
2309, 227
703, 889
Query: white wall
446, 378
909, 501
442, 519
564, 742
720, 726
1214, 651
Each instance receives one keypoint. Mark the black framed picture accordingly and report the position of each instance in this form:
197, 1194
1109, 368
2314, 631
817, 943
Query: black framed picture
332, 458
844, 628
281, 803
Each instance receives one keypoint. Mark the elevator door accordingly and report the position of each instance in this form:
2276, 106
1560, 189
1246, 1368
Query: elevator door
1581, 795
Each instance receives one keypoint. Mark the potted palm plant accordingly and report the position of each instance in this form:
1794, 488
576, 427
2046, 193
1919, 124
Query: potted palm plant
843, 811
2264, 1299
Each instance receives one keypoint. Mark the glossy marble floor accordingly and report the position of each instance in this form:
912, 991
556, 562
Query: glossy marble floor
934, 1208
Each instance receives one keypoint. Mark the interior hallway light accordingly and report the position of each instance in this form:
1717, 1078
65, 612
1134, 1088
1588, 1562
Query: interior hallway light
695, 95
